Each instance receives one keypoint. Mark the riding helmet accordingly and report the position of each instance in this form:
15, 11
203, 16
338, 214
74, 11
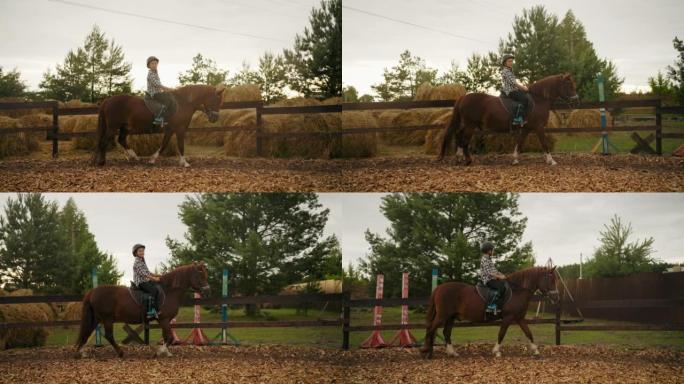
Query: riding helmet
136, 247
506, 57
486, 247
151, 59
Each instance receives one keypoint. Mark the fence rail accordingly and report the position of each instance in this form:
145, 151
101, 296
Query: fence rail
55, 135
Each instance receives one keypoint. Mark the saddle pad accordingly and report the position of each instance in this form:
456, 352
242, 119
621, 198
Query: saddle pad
511, 105
137, 295
486, 293
153, 105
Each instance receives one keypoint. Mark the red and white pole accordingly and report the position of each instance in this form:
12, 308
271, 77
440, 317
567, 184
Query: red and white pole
375, 339
197, 336
404, 338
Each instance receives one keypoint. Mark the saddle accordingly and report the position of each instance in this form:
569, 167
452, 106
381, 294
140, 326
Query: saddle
487, 294
158, 108
144, 299
514, 108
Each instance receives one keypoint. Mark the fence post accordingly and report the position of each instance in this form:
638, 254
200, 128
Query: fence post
55, 130
602, 110
346, 320
558, 321
257, 133
98, 334
659, 128
224, 307
435, 278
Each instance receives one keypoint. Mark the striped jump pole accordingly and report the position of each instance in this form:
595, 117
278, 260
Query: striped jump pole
224, 335
197, 336
404, 338
98, 331
375, 339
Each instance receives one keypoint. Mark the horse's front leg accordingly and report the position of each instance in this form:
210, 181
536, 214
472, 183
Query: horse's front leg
128, 151
545, 146
526, 330
163, 350
519, 145
502, 333
180, 137
165, 141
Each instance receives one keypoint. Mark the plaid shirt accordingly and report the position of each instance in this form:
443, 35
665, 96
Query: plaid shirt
140, 272
154, 84
508, 81
487, 269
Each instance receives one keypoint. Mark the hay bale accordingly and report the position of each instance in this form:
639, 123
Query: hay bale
426, 91
554, 120
303, 147
358, 145
72, 311
227, 117
85, 123
17, 113
585, 118
240, 144
75, 103
43, 307
246, 92
410, 117
16, 144
433, 137
332, 101
23, 337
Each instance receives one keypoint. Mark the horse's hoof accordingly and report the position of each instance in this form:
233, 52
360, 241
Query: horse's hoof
516, 162
497, 354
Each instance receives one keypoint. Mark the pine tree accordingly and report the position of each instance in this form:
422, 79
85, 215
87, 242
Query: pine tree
401, 81
676, 73
315, 61
11, 84
203, 71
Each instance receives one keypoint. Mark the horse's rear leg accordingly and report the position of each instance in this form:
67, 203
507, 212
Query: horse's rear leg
165, 141
430, 332
464, 142
448, 326
523, 325
109, 335
123, 135
80, 352
167, 336
502, 333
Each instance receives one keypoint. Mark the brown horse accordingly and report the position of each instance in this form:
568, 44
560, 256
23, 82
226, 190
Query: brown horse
127, 113
109, 304
459, 301
486, 112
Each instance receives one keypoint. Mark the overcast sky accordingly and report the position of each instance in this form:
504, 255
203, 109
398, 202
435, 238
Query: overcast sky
636, 35
119, 220
37, 34
560, 225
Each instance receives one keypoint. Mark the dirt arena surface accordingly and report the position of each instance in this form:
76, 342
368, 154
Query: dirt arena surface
557, 364
489, 173
288, 364
225, 364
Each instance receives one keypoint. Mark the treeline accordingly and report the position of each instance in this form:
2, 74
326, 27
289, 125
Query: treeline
543, 45
50, 249
98, 69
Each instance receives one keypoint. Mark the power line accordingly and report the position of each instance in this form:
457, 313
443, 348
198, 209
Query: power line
415, 25
75, 4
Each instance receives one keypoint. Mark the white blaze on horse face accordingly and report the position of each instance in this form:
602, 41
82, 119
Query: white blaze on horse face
450, 350
549, 159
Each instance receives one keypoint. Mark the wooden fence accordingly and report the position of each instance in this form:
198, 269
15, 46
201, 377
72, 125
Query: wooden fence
133, 335
54, 133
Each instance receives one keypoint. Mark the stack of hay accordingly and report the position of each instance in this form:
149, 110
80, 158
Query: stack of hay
362, 144
16, 144
433, 137
587, 118
24, 337
227, 117
244, 143
16, 113
72, 311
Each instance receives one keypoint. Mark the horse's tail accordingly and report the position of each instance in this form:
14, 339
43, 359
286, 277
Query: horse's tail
452, 126
88, 322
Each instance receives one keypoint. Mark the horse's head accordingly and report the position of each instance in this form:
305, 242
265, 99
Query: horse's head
199, 278
205, 98
546, 283
567, 90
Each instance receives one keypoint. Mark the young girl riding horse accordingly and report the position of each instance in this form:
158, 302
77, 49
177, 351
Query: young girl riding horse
512, 88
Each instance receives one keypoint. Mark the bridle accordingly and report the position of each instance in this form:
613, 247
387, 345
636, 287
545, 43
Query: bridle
210, 113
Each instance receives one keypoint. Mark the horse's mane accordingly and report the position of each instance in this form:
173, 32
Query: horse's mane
543, 86
525, 277
173, 276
